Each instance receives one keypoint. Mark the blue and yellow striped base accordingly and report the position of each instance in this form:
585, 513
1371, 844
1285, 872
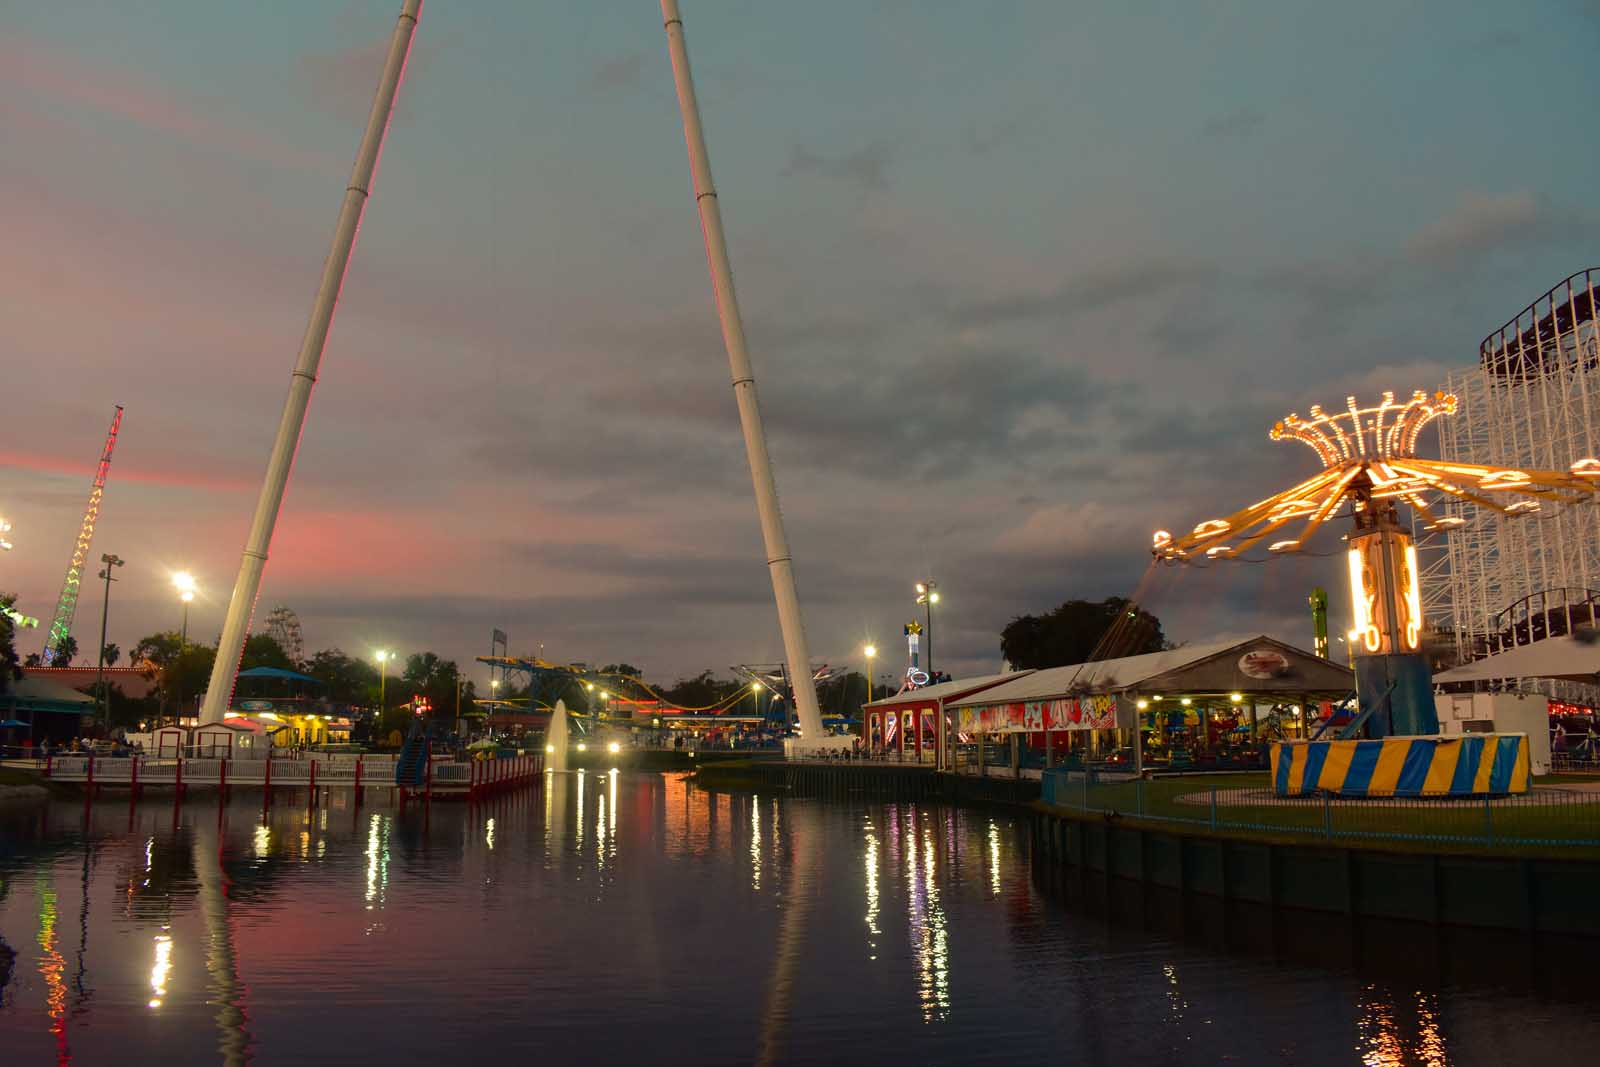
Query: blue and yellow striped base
1473, 764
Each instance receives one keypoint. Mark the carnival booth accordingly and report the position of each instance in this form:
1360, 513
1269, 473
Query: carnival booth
1212, 705
230, 739
170, 742
905, 726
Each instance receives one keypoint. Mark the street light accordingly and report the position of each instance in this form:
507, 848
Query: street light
383, 656
928, 596
870, 651
184, 583
110, 561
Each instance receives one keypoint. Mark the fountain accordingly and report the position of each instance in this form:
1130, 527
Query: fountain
555, 739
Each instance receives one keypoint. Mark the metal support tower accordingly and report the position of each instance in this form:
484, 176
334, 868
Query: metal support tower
780, 564
230, 646
1533, 401
67, 605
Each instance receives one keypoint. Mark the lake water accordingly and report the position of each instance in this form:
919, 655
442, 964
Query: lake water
628, 919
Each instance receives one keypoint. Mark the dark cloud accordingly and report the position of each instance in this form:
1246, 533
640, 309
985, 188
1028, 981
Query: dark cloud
1096, 289
1327, 297
1498, 41
1477, 224
618, 72
1234, 125
867, 167
996, 134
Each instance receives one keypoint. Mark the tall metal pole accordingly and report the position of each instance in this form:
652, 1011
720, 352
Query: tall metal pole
100, 661
248, 585
780, 563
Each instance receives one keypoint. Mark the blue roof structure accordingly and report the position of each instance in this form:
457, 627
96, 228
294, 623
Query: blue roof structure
278, 672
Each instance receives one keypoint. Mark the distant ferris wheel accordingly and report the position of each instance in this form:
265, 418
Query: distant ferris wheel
283, 626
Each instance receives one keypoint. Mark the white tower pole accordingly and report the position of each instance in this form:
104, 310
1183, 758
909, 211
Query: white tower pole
779, 561
248, 585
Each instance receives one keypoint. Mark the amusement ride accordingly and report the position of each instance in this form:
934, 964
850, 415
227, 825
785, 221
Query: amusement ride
1369, 461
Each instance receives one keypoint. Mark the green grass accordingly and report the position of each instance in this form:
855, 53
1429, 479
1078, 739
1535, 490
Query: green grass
1537, 823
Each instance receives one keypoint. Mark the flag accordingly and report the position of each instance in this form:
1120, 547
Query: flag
499, 638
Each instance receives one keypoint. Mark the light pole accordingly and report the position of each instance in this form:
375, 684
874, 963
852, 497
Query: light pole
928, 596
870, 651
5, 528
184, 583
110, 561
383, 656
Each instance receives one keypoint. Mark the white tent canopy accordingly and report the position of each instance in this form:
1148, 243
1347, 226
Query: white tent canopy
1554, 657
1218, 666
944, 690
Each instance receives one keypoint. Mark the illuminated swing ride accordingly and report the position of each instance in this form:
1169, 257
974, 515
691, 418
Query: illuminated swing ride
1369, 458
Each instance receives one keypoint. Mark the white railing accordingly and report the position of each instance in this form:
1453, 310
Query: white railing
375, 771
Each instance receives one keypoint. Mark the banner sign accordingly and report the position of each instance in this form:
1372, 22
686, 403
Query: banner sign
1096, 712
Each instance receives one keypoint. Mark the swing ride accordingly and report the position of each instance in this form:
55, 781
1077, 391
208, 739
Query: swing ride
1369, 460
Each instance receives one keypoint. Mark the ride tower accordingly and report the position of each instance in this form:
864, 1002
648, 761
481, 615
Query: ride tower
1370, 465
67, 604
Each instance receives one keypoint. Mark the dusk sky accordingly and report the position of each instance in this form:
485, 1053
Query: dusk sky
1023, 282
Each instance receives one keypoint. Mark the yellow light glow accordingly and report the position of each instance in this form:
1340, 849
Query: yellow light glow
582, 747
870, 651
1212, 526
1161, 539
549, 748
1413, 595
613, 748
1364, 601
1143, 704
1235, 697
1283, 546
1186, 702
1504, 480
184, 582
1586, 468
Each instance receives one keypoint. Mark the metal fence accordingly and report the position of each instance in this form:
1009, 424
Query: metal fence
1563, 816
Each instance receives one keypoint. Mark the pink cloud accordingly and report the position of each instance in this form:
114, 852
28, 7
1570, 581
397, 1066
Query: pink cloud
41, 463
41, 70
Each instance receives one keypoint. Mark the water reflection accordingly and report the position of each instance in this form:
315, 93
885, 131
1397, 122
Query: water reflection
160, 970
225, 992
723, 928
929, 935
52, 968
1383, 1042
873, 932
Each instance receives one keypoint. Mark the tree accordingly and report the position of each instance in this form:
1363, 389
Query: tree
842, 695
346, 680
261, 650
33, 660
627, 669
1074, 631
701, 691
154, 655
111, 653
66, 650
10, 669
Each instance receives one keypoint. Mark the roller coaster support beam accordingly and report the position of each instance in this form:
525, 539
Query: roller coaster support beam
248, 584
779, 562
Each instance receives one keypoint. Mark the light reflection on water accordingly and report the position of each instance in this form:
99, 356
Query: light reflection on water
726, 928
